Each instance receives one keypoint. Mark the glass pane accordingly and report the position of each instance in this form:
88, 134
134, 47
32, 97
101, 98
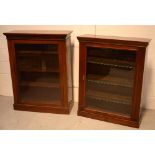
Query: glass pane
38, 70
110, 76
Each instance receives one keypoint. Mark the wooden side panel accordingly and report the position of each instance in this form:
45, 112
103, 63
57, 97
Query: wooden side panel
140, 59
82, 75
14, 73
63, 73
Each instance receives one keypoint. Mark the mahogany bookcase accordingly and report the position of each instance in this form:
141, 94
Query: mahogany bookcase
110, 78
41, 70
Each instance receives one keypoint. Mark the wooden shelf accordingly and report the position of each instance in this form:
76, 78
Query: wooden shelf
31, 53
39, 84
39, 64
39, 70
111, 62
109, 97
40, 95
110, 80
50, 52
110, 107
43, 81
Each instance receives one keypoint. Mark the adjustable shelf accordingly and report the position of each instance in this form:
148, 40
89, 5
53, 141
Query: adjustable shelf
40, 84
40, 67
109, 97
49, 70
111, 62
40, 96
109, 107
39, 53
110, 78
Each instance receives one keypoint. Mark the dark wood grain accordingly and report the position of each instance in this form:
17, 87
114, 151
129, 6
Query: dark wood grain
58, 39
115, 39
38, 35
125, 44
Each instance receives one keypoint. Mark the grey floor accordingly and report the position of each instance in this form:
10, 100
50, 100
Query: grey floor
11, 119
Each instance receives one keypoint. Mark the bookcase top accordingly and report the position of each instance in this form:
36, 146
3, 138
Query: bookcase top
114, 39
37, 33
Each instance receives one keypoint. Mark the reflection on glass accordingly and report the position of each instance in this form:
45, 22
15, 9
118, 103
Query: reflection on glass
110, 75
38, 69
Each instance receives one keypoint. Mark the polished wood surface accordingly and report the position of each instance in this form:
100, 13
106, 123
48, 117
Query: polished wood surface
38, 34
110, 78
40, 71
115, 39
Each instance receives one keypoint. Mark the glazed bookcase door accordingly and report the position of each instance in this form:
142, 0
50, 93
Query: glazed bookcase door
110, 78
109, 81
38, 72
